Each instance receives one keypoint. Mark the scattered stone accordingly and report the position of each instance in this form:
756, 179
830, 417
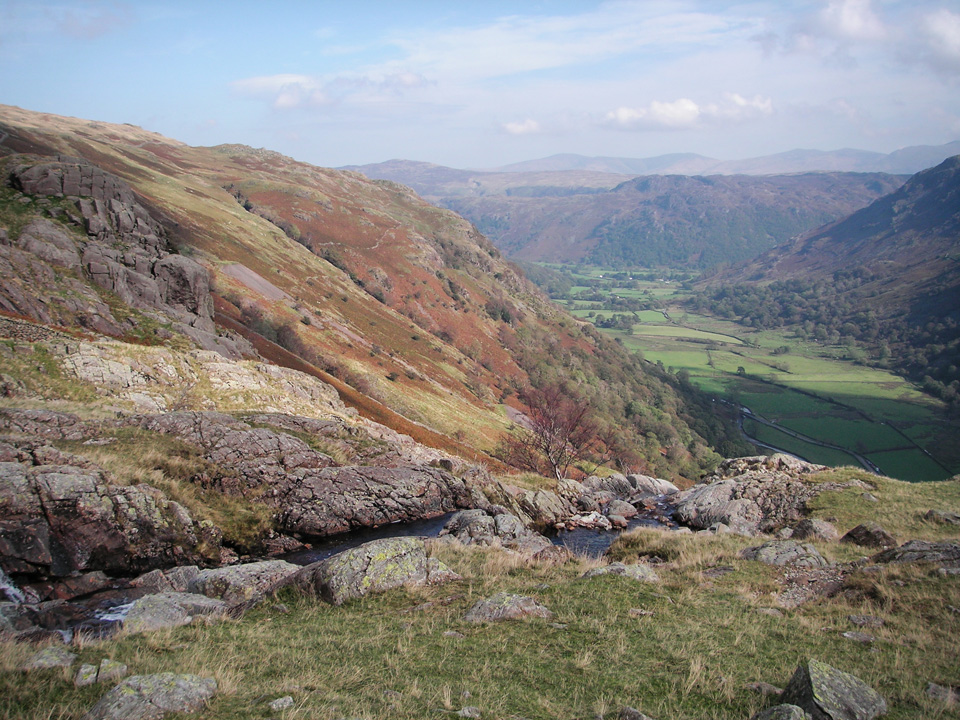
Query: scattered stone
867, 621
772, 612
831, 694
621, 508
949, 695
454, 634
815, 529
785, 552
150, 697
280, 608
558, 626
469, 712
944, 517
869, 497
944, 554
640, 572
438, 572
54, 656
639, 612
869, 535
281, 703
859, 637
782, 712
718, 571
243, 584
170, 610
373, 567
108, 670
506, 606
764, 688
629, 713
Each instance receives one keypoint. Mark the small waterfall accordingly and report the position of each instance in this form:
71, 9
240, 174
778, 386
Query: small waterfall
13, 593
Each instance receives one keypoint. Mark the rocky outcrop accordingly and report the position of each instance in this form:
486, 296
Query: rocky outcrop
101, 232
150, 697
750, 495
815, 529
60, 515
373, 567
785, 552
945, 554
869, 535
506, 606
503, 529
827, 693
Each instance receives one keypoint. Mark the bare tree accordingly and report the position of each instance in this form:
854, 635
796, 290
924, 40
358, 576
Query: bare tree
558, 430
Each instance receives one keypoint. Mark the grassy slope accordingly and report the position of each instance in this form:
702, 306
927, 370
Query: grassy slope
701, 642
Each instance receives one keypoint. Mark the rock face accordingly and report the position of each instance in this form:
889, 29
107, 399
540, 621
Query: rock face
373, 567
169, 610
108, 238
312, 496
506, 606
242, 584
150, 697
830, 694
785, 552
61, 516
749, 495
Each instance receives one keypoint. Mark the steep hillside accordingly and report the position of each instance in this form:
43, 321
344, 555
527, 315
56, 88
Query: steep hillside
887, 276
404, 307
671, 220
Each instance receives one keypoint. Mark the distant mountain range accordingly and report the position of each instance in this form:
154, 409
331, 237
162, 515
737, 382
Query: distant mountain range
905, 161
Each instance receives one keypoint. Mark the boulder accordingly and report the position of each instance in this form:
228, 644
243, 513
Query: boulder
621, 508
640, 572
242, 584
815, 529
942, 517
176, 579
827, 693
479, 527
373, 567
646, 486
629, 713
506, 606
169, 610
946, 554
545, 508
869, 535
785, 552
616, 484
106, 671
54, 656
750, 495
150, 697
782, 712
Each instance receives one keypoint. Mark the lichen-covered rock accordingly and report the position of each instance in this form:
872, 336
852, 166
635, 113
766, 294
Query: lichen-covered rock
479, 527
831, 694
815, 529
869, 535
242, 584
545, 508
373, 567
782, 712
639, 571
750, 495
106, 671
169, 610
506, 606
150, 697
945, 554
785, 552
54, 656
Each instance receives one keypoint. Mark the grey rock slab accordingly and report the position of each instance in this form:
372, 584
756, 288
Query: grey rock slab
815, 529
946, 554
943, 517
150, 697
54, 656
831, 694
943, 692
630, 713
868, 621
506, 606
869, 535
107, 671
785, 552
169, 610
640, 572
242, 584
373, 567
281, 703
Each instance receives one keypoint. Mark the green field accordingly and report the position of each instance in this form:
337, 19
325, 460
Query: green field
802, 386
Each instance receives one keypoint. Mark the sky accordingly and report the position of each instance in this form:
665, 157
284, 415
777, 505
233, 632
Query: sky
484, 83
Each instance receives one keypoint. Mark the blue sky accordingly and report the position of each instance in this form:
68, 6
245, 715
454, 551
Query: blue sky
482, 84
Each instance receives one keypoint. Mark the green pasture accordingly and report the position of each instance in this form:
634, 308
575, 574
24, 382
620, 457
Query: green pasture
911, 465
808, 451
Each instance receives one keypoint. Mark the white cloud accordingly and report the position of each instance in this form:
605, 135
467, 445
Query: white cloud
527, 127
292, 91
941, 31
684, 114
852, 20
